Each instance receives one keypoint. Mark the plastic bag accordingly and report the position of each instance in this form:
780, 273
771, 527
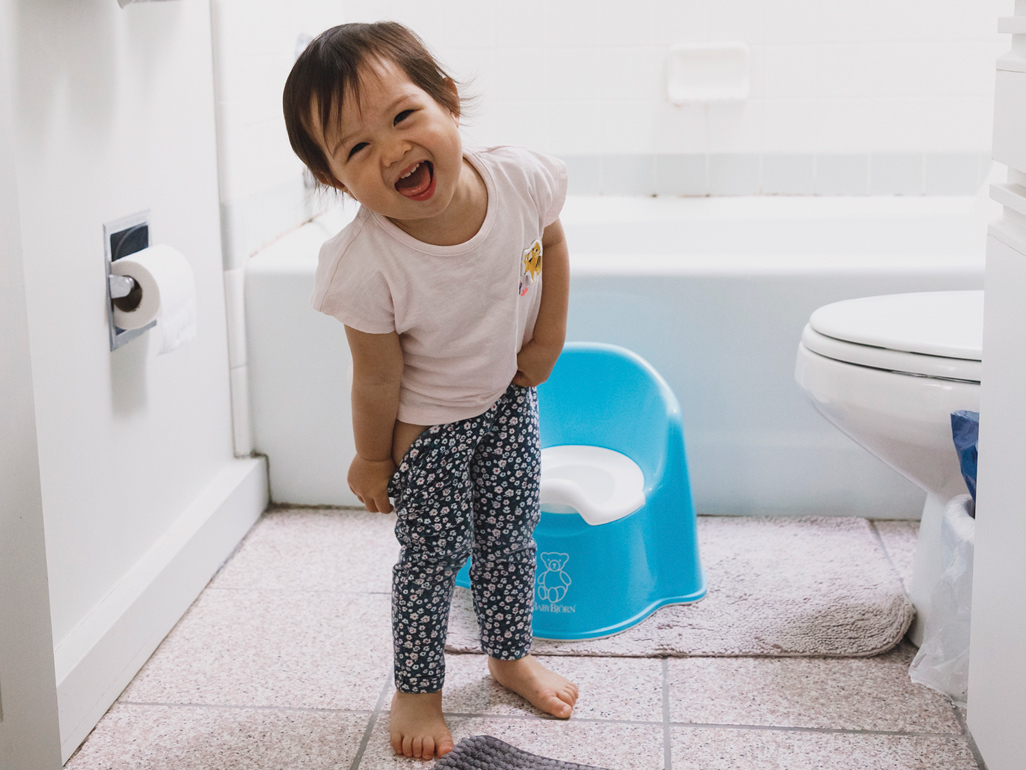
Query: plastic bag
965, 431
942, 663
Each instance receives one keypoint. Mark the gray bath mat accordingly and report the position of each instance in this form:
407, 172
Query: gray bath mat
483, 752
777, 587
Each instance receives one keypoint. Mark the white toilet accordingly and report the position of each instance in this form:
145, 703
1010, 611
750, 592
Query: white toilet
888, 371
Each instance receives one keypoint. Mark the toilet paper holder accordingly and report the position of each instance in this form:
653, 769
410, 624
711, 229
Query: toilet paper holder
121, 238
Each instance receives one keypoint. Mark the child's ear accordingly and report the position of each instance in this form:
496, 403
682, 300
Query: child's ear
329, 181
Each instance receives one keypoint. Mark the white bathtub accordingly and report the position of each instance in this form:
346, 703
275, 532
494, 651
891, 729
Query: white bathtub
714, 292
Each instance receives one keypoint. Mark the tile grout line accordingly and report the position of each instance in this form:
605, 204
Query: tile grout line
371, 722
667, 743
887, 555
232, 706
666, 722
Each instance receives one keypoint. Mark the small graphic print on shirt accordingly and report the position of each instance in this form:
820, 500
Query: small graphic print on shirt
531, 266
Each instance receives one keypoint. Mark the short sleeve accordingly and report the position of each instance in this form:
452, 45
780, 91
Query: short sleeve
352, 289
549, 179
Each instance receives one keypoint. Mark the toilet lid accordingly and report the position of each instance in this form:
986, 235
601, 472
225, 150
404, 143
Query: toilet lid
935, 323
891, 360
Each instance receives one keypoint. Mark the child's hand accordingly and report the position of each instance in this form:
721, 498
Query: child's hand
535, 362
368, 479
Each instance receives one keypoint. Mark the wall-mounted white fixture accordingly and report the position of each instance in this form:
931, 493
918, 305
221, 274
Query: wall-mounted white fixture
708, 72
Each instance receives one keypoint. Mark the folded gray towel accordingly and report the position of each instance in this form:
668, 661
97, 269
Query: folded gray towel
483, 752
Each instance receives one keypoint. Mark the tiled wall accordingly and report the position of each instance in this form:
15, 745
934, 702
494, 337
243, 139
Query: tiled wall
873, 97
262, 190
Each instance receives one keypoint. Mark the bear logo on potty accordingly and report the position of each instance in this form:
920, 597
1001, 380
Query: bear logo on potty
552, 582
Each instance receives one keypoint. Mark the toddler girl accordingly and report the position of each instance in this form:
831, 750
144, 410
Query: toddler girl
438, 281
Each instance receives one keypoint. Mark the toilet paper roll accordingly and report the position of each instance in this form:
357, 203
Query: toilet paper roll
168, 294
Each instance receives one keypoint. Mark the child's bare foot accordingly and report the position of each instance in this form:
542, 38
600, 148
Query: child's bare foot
417, 727
546, 690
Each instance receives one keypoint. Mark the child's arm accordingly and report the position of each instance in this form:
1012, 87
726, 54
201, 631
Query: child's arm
377, 372
538, 357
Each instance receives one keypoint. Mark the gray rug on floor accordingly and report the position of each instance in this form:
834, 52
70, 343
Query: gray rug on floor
777, 587
483, 752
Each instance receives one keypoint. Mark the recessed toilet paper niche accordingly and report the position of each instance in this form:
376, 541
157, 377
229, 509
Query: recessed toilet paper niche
708, 72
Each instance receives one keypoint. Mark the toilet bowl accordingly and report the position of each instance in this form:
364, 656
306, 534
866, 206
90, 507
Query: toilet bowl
888, 371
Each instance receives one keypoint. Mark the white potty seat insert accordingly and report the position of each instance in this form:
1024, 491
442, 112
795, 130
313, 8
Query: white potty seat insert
599, 484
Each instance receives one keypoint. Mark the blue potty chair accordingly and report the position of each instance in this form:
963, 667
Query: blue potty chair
617, 537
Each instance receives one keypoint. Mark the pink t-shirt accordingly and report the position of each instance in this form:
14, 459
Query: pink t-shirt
462, 312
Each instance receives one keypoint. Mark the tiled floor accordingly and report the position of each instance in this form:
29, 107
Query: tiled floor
284, 662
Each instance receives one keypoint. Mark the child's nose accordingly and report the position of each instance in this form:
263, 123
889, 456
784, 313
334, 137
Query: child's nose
394, 151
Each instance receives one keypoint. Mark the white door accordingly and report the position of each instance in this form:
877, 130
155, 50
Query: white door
29, 732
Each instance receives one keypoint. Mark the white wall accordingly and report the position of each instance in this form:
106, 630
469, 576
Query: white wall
28, 691
262, 189
115, 114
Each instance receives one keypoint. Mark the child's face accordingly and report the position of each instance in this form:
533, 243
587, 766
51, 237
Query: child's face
397, 151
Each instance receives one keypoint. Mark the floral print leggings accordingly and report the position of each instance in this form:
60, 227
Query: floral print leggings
466, 488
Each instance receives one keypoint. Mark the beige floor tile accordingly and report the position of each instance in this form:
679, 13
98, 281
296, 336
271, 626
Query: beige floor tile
628, 689
899, 538
725, 749
609, 745
273, 648
310, 550
198, 738
848, 694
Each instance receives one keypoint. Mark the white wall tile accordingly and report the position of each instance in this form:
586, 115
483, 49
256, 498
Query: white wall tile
521, 122
742, 20
572, 24
686, 174
584, 174
792, 125
895, 173
576, 127
575, 73
788, 72
870, 20
521, 73
521, 23
635, 23
959, 20
633, 72
735, 128
794, 21
842, 174
628, 175
731, 174
950, 174
630, 127
681, 129
788, 174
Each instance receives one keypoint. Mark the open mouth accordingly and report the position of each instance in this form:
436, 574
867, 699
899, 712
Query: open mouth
417, 182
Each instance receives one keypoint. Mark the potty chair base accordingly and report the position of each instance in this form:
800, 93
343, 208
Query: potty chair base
596, 581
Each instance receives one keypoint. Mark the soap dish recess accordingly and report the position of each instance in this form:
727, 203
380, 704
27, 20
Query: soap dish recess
708, 72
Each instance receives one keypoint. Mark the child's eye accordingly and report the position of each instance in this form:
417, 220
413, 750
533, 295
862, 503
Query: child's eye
402, 116
356, 148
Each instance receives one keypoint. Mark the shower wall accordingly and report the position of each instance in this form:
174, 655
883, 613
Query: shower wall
875, 97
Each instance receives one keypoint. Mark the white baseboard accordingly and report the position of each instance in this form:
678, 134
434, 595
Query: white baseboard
99, 658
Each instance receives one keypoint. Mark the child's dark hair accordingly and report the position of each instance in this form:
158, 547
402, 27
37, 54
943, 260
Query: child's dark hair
329, 71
